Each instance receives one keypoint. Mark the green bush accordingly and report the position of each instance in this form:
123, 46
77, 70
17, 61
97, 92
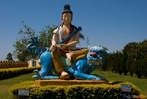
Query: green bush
13, 72
100, 91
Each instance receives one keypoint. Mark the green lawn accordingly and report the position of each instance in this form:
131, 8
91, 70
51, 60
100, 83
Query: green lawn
140, 83
5, 84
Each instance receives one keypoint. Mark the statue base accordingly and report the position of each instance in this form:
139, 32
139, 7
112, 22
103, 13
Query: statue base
68, 82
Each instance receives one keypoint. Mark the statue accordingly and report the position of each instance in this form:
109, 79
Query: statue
62, 46
81, 69
63, 57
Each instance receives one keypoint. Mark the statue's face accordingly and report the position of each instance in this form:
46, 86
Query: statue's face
66, 18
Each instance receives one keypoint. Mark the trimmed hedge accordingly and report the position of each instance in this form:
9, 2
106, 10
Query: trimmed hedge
13, 64
100, 91
13, 72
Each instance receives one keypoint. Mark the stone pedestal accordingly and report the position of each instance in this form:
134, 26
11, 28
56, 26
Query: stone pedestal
68, 82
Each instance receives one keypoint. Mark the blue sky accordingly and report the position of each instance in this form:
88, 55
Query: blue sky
110, 23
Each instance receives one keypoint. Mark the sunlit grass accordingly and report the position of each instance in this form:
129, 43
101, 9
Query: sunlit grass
140, 83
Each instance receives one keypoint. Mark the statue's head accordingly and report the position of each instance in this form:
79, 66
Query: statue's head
96, 54
67, 14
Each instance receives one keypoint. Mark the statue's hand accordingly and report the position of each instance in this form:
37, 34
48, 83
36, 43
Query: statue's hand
57, 46
63, 45
60, 46
52, 48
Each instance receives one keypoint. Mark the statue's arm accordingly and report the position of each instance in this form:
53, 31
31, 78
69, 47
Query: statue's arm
54, 42
75, 40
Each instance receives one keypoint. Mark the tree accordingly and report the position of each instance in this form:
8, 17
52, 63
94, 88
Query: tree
130, 51
143, 57
144, 69
111, 62
137, 67
9, 57
129, 65
20, 51
123, 67
118, 62
46, 36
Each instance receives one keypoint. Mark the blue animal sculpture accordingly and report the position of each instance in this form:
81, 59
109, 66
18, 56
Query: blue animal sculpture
81, 69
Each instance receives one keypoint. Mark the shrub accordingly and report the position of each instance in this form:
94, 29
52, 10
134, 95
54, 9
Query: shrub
100, 91
13, 72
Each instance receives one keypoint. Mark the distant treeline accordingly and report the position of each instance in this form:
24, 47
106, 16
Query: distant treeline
132, 59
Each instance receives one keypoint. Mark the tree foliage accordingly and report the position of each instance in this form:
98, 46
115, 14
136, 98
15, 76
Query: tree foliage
132, 59
9, 57
20, 51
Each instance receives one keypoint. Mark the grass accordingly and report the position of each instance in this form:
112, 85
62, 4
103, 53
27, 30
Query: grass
5, 84
140, 83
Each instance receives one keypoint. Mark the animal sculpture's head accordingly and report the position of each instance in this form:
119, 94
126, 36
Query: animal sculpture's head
96, 54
